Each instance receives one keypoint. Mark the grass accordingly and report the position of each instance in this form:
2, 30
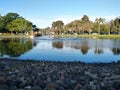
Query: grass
93, 36
13, 36
66, 35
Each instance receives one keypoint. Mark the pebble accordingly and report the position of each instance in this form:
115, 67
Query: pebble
47, 75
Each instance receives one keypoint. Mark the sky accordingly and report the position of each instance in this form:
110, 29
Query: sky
43, 12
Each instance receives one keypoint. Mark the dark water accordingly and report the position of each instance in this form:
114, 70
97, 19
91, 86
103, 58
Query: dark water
61, 49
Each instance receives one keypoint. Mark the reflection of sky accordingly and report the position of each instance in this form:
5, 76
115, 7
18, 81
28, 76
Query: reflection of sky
45, 51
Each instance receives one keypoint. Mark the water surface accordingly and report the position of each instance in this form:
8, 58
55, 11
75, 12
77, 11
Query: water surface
61, 49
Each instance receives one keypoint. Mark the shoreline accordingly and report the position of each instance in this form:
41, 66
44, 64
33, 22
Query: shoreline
66, 35
52, 75
16, 36
31, 60
93, 36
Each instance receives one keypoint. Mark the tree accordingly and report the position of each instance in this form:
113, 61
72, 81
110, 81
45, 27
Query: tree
99, 21
86, 24
117, 24
85, 18
105, 29
58, 26
1, 23
19, 25
9, 18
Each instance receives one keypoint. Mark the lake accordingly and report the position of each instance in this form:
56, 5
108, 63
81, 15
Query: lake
50, 48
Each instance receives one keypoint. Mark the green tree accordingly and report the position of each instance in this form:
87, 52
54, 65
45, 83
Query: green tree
85, 18
117, 24
1, 23
99, 21
19, 25
105, 29
9, 18
86, 24
58, 26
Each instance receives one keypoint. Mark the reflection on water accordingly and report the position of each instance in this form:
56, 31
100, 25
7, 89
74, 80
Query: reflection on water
14, 47
58, 45
62, 49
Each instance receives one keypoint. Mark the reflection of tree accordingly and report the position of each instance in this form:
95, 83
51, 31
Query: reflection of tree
116, 51
98, 49
84, 47
15, 47
58, 45
116, 48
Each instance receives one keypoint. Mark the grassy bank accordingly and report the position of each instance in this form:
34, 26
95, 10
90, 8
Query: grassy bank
93, 36
66, 35
13, 36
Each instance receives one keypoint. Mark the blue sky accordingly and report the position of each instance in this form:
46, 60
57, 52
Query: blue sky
44, 12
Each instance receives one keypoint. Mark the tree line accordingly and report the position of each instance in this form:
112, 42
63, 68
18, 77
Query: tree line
15, 24
85, 26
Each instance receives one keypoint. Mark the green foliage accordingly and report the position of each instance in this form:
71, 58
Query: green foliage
8, 18
12, 22
80, 26
117, 24
19, 25
1, 23
85, 18
58, 26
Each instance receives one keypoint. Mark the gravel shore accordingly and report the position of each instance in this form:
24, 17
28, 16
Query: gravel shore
50, 75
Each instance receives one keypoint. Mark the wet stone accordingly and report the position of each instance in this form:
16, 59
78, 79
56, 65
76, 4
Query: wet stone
36, 88
4, 87
13, 88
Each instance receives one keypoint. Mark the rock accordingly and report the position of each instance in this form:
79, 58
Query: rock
117, 77
4, 87
13, 88
116, 85
29, 82
49, 80
27, 88
21, 85
78, 87
22, 79
36, 88
47, 88
3, 80
38, 82
94, 76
